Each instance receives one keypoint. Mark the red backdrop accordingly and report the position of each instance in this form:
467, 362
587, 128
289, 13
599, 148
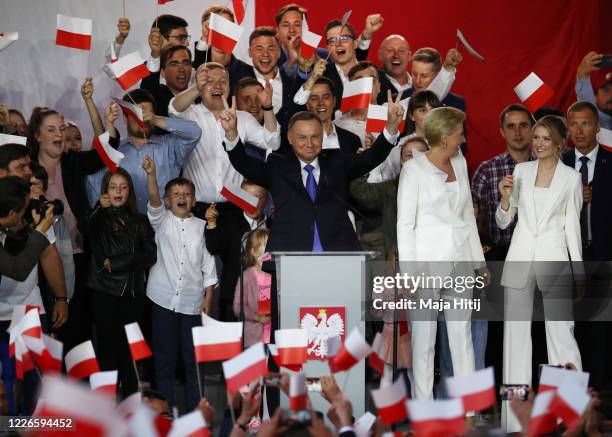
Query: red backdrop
516, 37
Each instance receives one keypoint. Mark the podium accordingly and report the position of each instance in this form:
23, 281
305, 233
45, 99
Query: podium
320, 280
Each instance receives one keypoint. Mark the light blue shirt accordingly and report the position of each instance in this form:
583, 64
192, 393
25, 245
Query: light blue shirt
584, 91
168, 151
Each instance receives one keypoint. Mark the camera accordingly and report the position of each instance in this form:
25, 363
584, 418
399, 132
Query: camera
296, 419
40, 206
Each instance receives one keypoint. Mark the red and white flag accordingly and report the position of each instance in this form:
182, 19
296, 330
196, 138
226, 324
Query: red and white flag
8, 38
111, 157
438, 418
542, 420
81, 361
105, 382
297, 391
215, 343
569, 403
113, 56
12, 139
292, 345
390, 402
163, 2
376, 357
477, 390
189, 425
132, 111
552, 377
223, 34
377, 119
28, 325
604, 138
354, 349
24, 362
533, 92
310, 41
245, 368
357, 94
238, 7
56, 350
128, 406
74, 32
239, 197
362, 426
91, 414
274, 354
138, 345
129, 69
146, 422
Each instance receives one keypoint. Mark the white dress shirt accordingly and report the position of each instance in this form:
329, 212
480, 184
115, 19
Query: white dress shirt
592, 155
400, 88
184, 266
208, 166
331, 141
277, 88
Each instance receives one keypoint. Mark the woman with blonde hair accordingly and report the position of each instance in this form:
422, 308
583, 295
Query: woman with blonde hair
547, 197
436, 231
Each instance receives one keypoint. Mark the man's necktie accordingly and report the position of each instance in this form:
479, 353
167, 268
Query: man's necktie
311, 189
584, 213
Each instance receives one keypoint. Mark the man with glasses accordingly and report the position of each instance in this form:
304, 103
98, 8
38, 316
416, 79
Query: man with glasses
165, 30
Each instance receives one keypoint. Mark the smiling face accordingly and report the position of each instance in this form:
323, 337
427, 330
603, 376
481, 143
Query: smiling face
50, 136
394, 54
180, 199
306, 138
542, 143
246, 100
216, 89
344, 52
118, 190
321, 102
290, 26
516, 130
264, 52
72, 138
177, 71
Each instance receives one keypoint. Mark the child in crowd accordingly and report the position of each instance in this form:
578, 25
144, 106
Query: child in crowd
180, 285
256, 291
122, 248
72, 137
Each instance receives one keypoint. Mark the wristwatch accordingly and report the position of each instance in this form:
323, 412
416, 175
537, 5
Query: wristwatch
60, 298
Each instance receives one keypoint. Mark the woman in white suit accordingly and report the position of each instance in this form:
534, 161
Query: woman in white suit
548, 203
436, 228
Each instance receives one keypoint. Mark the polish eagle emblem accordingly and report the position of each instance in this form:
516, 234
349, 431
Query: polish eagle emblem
321, 324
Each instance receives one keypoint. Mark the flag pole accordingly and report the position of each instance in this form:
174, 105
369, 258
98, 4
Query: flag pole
231, 407
137, 376
199, 378
144, 132
156, 12
346, 378
124, 9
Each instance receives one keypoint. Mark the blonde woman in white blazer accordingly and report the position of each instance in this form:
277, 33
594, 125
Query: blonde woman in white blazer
436, 228
548, 229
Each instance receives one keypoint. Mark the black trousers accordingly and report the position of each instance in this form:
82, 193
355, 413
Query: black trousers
110, 315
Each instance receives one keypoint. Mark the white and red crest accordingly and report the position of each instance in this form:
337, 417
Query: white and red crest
322, 323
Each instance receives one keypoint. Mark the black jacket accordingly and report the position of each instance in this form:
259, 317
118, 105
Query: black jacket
237, 69
129, 244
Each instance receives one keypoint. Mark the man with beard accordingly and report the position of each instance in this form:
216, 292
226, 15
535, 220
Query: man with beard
168, 151
595, 86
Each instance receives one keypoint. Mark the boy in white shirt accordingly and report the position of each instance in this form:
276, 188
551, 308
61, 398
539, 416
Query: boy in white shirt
180, 284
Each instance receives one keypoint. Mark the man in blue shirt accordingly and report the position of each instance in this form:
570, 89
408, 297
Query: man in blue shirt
169, 151
595, 86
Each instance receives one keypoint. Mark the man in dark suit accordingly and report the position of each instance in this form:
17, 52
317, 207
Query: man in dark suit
595, 166
394, 55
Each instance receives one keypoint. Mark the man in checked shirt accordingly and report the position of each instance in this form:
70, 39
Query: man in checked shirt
515, 127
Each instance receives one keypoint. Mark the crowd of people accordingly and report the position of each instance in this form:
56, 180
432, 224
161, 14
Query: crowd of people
155, 242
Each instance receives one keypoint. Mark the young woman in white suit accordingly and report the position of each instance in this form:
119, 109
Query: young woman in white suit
548, 203
436, 228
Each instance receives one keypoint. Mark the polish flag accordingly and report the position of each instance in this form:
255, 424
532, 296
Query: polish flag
215, 343
604, 138
334, 344
357, 94
533, 92
235, 327
146, 422
111, 157
113, 53
91, 414
375, 359
245, 368
129, 69
552, 377
355, 349
542, 420
6, 39
223, 34
56, 350
189, 425
73, 32
310, 41
28, 324
239, 197
81, 361
377, 119
297, 391
132, 111
292, 345
163, 2
477, 390
238, 7
274, 353
438, 418
390, 402
105, 382
138, 345
23, 359
12, 139
128, 406
363, 425
569, 403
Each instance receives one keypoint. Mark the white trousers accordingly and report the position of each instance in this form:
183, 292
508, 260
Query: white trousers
424, 329
561, 345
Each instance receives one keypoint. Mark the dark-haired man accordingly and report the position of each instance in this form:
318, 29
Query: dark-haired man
595, 85
166, 30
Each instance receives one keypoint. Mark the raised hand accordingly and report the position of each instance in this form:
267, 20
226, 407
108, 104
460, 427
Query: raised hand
453, 58
293, 49
587, 65
87, 89
148, 165
123, 26
505, 187
395, 113
105, 201
211, 215
229, 120
111, 114
319, 68
201, 77
155, 42
265, 95
373, 24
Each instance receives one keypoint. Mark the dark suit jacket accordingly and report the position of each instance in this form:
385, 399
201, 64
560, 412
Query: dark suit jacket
161, 93
289, 90
322, 53
385, 85
601, 203
295, 213
237, 69
349, 142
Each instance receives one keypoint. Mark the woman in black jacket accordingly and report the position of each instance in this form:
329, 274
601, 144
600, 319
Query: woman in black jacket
122, 245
